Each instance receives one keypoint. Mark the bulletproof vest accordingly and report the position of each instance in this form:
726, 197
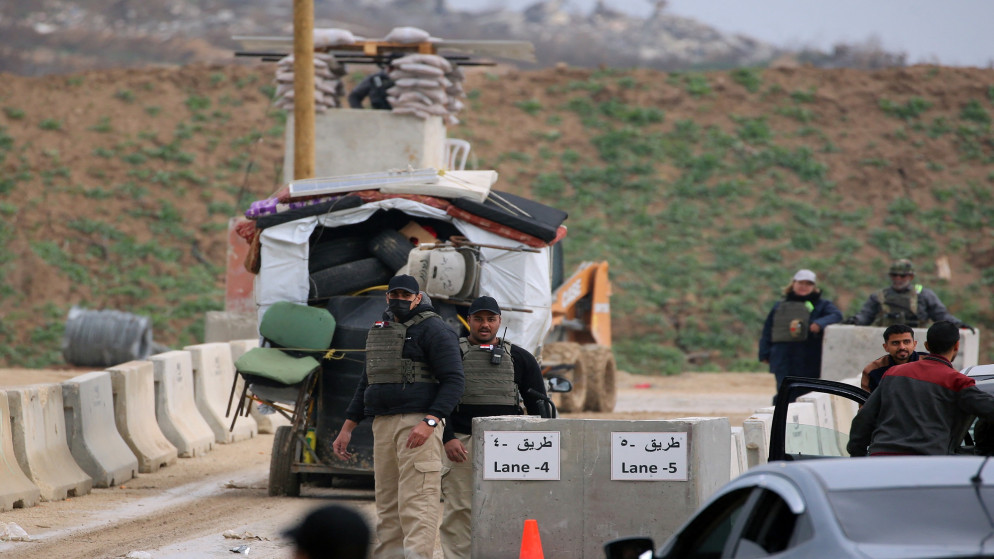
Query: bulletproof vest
791, 321
488, 383
384, 354
898, 308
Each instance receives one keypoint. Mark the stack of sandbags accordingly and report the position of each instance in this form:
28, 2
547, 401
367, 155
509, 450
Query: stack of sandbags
328, 73
426, 85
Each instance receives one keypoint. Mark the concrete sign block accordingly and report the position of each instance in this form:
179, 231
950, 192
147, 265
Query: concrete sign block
134, 412
585, 490
213, 374
38, 425
176, 407
16, 490
94, 441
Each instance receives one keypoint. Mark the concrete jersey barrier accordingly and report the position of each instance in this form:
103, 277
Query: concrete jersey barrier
38, 426
93, 438
847, 349
16, 490
175, 406
213, 374
267, 422
570, 510
134, 412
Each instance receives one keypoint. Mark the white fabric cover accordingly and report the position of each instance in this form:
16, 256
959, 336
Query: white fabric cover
515, 279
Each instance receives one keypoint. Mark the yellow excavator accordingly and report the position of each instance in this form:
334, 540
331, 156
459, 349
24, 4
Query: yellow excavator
578, 346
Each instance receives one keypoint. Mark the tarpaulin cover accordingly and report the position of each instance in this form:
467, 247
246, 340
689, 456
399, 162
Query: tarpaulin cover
515, 279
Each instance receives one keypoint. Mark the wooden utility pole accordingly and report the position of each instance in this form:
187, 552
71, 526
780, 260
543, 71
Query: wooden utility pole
303, 89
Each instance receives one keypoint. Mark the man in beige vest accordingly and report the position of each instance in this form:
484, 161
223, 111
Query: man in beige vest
497, 372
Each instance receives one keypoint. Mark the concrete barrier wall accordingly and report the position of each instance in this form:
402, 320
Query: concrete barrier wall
756, 430
584, 508
267, 422
175, 405
213, 375
16, 490
224, 326
134, 413
93, 438
38, 427
738, 461
847, 349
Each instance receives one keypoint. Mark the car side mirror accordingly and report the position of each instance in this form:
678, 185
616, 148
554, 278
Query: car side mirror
557, 383
629, 548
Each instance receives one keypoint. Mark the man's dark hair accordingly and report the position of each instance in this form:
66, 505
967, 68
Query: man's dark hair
942, 336
898, 329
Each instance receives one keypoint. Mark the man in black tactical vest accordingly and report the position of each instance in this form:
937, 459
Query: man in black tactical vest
413, 380
904, 302
497, 373
375, 87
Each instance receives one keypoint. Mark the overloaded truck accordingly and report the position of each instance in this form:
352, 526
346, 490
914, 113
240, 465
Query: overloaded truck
334, 242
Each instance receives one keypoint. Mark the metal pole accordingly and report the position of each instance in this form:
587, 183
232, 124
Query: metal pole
303, 89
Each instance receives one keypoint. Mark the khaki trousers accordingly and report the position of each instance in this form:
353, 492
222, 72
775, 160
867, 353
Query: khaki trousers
457, 490
408, 481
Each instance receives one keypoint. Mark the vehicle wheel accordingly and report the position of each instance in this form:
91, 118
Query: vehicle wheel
592, 365
604, 368
567, 353
336, 252
285, 449
392, 248
348, 278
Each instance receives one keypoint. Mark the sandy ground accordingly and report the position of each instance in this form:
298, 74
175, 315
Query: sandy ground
182, 511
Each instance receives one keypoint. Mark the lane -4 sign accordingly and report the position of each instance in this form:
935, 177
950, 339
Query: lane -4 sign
522, 455
640, 456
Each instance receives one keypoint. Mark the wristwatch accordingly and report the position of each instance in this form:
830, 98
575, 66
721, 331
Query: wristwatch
431, 422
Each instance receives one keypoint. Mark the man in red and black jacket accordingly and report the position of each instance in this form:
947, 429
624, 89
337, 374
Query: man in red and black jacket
917, 406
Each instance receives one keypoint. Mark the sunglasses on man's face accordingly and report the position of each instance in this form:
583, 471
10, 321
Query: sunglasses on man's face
900, 275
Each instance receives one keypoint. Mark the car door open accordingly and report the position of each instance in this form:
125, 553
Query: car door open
816, 425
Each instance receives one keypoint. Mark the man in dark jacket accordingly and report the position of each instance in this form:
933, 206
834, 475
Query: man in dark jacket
900, 344
920, 407
497, 372
793, 331
413, 380
904, 302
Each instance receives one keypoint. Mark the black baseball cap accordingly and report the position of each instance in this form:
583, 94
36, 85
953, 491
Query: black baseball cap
332, 531
484, 303
404, 283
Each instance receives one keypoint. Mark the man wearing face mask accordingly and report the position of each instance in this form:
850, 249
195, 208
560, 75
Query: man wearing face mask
904, 302
413, 379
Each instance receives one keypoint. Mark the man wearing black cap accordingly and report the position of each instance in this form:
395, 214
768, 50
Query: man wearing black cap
919, 407
497, 372
413, 379
330, 531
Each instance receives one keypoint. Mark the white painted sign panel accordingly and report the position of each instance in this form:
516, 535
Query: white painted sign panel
641, 456
521, 455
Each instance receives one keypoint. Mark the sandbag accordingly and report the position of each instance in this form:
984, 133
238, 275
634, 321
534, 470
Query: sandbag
407, 35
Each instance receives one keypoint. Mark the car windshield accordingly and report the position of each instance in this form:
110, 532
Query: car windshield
914, 516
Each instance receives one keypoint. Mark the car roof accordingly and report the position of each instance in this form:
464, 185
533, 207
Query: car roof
885, 472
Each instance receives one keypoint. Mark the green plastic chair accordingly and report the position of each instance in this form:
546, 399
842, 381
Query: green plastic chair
295, 338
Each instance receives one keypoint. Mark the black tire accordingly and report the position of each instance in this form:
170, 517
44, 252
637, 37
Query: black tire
348, 278
602, 391
392, 248
282, 482
336, 252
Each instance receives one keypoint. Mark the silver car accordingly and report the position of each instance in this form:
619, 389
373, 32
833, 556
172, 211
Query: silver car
883, 507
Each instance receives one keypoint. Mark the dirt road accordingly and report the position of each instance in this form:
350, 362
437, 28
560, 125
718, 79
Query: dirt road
183, 510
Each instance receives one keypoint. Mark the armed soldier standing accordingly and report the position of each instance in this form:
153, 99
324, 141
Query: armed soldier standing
497, 373
904, 302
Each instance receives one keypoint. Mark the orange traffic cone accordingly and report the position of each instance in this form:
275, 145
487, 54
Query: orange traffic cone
531, 542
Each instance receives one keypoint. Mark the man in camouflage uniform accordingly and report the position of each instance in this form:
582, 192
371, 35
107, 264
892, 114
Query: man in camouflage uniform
904, 302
